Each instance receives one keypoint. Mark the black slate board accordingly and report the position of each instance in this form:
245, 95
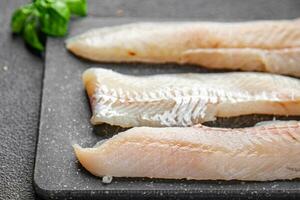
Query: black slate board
65, 121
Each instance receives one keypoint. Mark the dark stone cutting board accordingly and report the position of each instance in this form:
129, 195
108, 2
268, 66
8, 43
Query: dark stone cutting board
65, 118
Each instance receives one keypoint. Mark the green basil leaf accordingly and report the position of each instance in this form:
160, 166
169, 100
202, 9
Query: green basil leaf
19, 17
54, 16
50, 17
30, 32
77, 7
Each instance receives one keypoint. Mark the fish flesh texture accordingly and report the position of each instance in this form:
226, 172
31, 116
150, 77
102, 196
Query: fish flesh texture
187, 99
271, 46
266, 152
262, 153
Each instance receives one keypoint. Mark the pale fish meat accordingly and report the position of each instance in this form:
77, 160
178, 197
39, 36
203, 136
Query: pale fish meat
271, 46
262, 153
187, 99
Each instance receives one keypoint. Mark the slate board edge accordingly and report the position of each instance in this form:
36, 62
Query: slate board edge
49, 193
163, 194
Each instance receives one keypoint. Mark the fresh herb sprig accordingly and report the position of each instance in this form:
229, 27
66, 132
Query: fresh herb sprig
48, 17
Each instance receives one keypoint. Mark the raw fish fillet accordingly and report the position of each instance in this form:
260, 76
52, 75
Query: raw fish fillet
187, 99
266, 152
271, 46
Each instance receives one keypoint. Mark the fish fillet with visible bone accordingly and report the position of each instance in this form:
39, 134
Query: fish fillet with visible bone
187, 99
272, 46
266, 152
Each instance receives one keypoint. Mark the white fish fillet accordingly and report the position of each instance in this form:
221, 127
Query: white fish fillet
260, 153
187, 99
272, 46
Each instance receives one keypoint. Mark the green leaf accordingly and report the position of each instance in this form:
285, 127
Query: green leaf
19, 17
45, 16
54, 16
30, 32
77, 7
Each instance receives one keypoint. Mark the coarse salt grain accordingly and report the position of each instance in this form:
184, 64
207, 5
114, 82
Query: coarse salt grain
107, 179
